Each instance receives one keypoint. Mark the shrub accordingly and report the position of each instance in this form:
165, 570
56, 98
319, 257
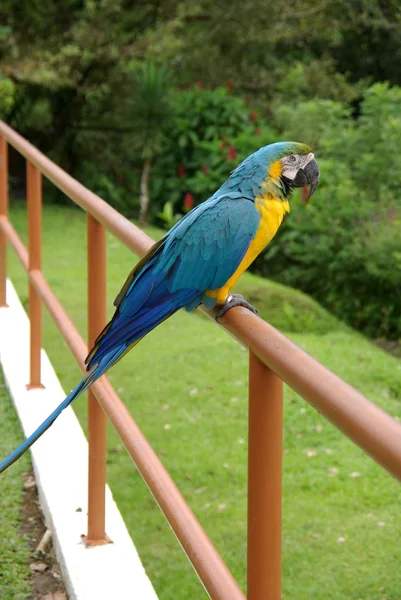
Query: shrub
312, 122
7, 96
210, 132
346, 253
344, 247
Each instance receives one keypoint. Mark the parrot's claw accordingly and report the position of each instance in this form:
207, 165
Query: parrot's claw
235, 300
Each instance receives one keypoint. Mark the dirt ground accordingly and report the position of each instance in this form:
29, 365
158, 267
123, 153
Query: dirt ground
46, 580
391, 346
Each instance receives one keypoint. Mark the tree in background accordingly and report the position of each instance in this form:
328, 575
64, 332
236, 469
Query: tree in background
81, 80
151, 113
68, 59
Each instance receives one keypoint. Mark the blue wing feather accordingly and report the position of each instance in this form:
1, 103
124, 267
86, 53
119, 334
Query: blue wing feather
201, 253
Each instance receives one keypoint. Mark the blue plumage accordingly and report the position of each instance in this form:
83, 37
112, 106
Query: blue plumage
201, 252
248, 177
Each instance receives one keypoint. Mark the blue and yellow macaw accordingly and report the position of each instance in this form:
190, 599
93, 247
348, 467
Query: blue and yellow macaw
200, 259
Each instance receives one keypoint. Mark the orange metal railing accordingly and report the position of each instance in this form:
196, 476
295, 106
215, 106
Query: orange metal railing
273, 359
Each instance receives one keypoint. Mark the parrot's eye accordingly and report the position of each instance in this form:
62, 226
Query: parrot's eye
292, 158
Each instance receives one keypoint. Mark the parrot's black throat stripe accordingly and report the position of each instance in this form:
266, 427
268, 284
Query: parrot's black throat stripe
287, 186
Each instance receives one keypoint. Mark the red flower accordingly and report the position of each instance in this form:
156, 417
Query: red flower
258, 131
253, 115
181, 172
205, 168
232, 153
188, 201
230, 84
200, 84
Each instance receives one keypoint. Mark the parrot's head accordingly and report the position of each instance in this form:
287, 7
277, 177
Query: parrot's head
274, 170
293, 165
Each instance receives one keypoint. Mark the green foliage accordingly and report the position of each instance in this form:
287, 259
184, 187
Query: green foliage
210, 133
84, 75
7, 96
375, 146
344, 247
167, 216
314, 80
219, 157
209, 114
83, 81
150, 108
312, 121
344, 250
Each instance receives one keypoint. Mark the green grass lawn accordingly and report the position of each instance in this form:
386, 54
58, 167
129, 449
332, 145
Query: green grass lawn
15, 552
186, 386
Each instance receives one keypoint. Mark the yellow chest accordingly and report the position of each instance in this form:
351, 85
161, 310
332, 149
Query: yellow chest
272, 211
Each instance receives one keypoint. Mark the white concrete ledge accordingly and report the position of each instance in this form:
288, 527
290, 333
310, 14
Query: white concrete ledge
60, 463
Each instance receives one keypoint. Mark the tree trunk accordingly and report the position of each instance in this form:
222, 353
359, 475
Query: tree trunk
144, 192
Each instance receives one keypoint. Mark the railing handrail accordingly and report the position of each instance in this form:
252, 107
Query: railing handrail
273, 357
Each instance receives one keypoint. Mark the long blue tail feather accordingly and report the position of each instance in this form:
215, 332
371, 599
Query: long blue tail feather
14, 456
97, 372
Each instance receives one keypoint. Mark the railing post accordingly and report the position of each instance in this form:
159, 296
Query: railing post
96, 417
34, 201
264, 482
3, 213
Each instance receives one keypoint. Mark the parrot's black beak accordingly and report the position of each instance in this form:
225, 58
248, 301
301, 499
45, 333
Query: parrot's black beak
309, 175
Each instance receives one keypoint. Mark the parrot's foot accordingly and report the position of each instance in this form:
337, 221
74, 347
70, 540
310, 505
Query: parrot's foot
235, 300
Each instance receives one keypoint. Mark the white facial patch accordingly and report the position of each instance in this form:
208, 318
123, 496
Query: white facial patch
291, 164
